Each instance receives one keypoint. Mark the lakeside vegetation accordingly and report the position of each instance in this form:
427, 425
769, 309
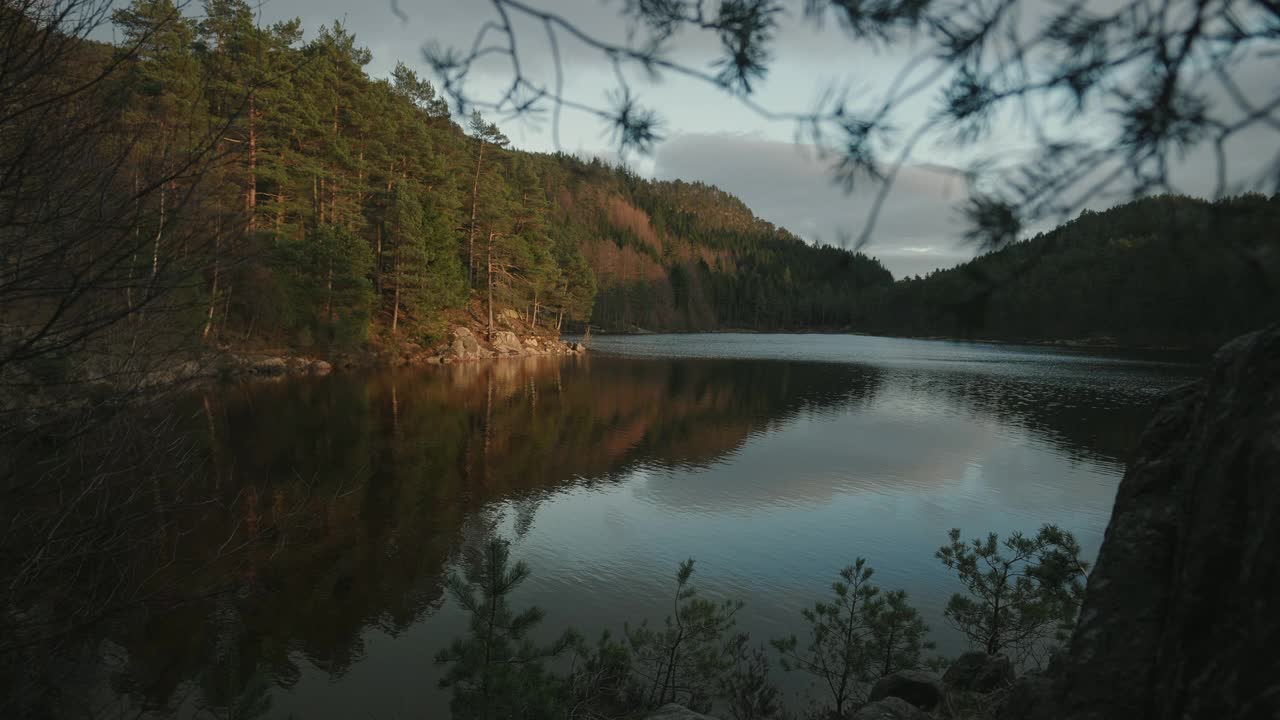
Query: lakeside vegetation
208, 185
1021, 597
262, 190
1160, 271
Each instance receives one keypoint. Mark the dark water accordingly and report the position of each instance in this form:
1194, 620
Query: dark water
772, 460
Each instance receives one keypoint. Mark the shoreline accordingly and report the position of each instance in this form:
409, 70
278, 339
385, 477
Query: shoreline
1101, 343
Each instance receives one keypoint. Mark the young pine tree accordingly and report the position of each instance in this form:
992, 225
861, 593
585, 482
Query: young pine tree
1020, 593
326, 275
496, 671
855, 638
684, 660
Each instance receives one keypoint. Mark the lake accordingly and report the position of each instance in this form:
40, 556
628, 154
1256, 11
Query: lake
773, 460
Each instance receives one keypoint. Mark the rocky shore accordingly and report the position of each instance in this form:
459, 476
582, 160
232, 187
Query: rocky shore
464, 345
1178, 620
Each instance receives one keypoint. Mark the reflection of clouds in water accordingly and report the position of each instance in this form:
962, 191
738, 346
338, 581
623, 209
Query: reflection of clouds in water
773, 471
905, 441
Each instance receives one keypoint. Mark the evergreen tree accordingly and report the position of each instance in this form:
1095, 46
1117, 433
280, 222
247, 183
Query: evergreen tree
496, 671
856, 637
684, 660
484, 134
1019, 592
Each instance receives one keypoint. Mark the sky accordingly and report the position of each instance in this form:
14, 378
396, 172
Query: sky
712, 137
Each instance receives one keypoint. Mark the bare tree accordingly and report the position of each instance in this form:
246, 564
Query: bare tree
1155, 79
102, 262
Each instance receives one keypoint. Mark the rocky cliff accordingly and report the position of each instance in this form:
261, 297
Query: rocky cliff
1179, 619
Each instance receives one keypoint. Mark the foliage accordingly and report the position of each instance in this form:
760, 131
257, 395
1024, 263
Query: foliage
855, 638
746, 688
497, 671
1154, 81
1020, 593
326, 280
1164, 271
682, 661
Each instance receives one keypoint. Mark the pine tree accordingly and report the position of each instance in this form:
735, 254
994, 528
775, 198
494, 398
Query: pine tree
484, 134
1019, 592
496, 671
684, 660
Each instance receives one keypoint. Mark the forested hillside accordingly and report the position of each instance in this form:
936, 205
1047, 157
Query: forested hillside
1160, 271
341, 209
206, 179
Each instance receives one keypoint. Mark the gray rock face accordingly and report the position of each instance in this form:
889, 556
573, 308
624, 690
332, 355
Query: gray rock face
890, 708
979, 672
464, 343
921, 689
270, 366
676, 712
1030, 698
505, 341
1179, 618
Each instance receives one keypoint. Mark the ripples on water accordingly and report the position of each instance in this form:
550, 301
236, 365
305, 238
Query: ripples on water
772, 460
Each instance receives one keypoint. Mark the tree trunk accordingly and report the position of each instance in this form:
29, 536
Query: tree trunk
328, 303
213, 292
251, 193
226, 311
489, 272
471, 231
395, 303
377, 269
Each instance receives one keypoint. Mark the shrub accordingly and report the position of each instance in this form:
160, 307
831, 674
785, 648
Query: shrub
1019, 593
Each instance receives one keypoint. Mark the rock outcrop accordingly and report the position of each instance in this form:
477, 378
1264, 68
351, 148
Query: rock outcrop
1179, 619
921, 689
979, 672
506, 342
676, 712
890, 708
466, 346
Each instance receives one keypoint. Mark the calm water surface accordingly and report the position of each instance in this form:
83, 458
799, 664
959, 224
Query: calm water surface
773, 460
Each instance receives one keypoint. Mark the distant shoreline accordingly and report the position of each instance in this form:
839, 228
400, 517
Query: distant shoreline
1100, 343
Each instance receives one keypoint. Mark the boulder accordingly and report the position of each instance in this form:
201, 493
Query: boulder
506, 342
979, 672
320, 367
464, 343
676, 712
270, 366
578, 347
459, 348
890, 708
298, 365
1179, 617
921, 689
1030, 698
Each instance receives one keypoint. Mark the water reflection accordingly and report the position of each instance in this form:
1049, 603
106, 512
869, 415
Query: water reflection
331, 508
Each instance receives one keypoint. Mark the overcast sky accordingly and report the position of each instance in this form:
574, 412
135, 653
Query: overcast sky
712, 138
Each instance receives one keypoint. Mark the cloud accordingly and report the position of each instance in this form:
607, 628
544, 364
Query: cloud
713, 138
784, 183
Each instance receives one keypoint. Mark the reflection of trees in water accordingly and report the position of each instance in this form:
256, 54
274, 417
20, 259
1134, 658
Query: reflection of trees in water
1086, 421
320, 508
349, 497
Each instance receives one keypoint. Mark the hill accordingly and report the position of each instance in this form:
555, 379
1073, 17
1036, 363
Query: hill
1165, 271
292, 200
